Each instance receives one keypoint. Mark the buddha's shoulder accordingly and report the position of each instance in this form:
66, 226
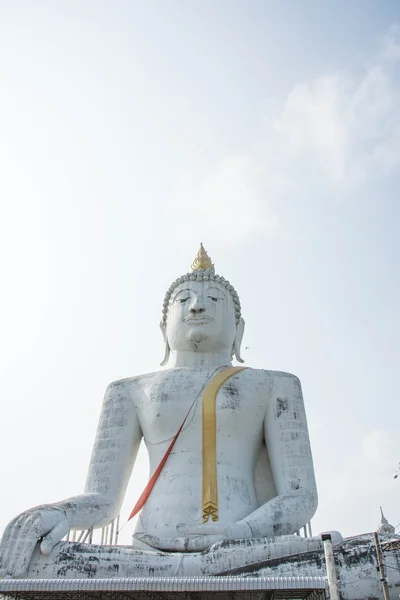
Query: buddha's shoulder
274, 377
283, 375
134, 381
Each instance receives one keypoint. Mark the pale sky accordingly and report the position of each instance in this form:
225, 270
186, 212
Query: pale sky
131, 131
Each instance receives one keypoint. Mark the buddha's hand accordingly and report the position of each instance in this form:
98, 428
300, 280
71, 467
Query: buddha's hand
196, 538
46, 523
230, 531
192, 543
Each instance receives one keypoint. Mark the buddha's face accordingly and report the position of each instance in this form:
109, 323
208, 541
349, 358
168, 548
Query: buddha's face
201, 317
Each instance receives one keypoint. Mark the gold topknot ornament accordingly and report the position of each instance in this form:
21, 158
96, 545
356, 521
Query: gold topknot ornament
202, 261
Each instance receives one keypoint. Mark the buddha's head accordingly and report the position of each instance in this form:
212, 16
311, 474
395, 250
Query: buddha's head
201, 312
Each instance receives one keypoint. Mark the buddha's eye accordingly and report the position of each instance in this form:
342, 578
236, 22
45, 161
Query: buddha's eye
214, 299
183, 300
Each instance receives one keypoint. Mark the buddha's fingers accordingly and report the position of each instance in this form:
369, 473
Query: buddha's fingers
8, 542
28, 537
168, 544
182, 544
3, 554
13, 556
202, 529
202, 542
4, 549
155, 542
55, 535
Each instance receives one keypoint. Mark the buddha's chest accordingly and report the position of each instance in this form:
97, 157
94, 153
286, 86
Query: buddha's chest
170, 396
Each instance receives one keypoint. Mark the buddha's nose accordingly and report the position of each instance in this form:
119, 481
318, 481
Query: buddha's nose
197, 304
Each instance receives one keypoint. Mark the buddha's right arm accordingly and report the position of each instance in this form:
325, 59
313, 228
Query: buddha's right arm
114, 453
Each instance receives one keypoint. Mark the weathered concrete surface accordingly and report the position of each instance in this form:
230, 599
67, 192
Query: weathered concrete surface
356, 565
355, 560
73, 560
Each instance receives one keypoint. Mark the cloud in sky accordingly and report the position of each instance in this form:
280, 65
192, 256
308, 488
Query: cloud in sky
348, 122
345, 125
391, 42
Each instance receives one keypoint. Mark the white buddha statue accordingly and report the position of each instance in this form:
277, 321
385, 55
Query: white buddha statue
241, 467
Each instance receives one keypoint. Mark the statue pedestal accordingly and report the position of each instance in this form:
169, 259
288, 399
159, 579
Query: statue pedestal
89, 571
74, 560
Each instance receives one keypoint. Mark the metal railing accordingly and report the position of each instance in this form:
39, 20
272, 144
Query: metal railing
108, 536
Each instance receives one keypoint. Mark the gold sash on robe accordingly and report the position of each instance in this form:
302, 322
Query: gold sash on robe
210, 486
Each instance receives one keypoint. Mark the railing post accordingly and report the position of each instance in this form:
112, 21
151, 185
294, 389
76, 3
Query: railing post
330, 567
381, 567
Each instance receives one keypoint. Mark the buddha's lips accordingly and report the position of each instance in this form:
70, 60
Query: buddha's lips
197, 319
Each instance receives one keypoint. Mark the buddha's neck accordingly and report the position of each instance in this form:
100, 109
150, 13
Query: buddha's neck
183, 358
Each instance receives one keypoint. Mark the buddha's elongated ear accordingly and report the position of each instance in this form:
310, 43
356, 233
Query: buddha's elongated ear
238, 340
163, 327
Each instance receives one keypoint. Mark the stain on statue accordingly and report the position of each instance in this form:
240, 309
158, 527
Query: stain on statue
244, 449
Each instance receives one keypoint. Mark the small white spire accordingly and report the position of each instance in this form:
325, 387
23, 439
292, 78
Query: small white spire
384, 526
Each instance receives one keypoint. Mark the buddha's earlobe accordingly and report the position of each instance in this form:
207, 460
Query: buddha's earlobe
238, 340
166, 345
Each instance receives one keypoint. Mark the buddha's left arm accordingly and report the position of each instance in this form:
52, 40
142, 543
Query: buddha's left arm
288, 445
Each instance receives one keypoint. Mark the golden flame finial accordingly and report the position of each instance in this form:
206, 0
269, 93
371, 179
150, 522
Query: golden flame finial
202, 261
